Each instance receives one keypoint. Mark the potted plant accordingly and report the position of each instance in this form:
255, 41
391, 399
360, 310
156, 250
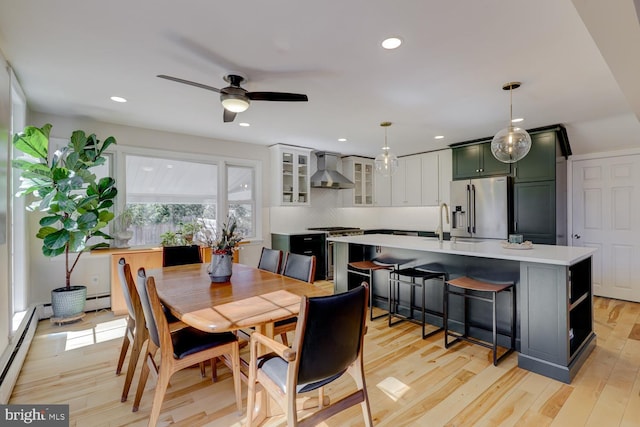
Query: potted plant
74, 203
122, 232
222, 244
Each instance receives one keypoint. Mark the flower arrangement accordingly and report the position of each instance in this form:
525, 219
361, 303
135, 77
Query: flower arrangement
225, 241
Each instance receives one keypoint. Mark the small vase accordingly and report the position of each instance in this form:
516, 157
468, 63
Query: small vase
220, 268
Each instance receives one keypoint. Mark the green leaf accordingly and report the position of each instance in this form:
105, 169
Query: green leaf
45, 231
106, 216
77, 241
78, 140
105, 205
57, 239
48, 252
98, 245
87, 221
33, 141
105, 184
48, 220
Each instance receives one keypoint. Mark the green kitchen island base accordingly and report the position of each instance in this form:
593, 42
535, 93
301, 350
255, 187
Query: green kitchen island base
553, 290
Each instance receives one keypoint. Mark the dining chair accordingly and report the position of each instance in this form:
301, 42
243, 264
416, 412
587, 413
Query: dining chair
270, 260
180, 349
301, 267
328, 343
136, 332
180, 255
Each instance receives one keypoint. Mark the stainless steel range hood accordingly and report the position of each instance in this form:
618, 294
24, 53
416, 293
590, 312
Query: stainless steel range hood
327, 176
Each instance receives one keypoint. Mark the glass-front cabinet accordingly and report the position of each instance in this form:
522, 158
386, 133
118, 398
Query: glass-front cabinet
291, 175
360, 171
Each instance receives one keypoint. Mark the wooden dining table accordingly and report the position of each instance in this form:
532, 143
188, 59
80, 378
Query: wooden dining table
252, 298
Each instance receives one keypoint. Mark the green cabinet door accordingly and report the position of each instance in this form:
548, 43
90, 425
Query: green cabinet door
466, 161
473, 161
534, 211
490, 165
540, 163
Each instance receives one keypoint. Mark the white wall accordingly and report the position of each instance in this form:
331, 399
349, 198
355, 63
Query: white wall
47, 273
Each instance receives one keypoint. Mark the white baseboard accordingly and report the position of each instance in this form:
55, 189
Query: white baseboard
14, 355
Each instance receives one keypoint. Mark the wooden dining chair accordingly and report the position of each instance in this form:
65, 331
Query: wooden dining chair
328, 343
301, 267
179, 350
270, 260
136, 332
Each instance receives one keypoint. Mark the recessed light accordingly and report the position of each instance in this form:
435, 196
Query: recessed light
147, 168
518, 120
391, 43
342, 139
118, 99
244, 124
438, 137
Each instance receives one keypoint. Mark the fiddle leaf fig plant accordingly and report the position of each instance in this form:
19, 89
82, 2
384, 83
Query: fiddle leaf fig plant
76, 205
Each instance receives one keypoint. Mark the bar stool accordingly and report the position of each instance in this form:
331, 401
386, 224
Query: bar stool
408, 276
368, 267
480, 288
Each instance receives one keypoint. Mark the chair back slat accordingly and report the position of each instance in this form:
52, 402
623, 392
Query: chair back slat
152, 326
330, 333
270, 260
301, 267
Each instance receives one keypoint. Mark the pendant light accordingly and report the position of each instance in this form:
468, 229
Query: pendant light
511, 143
386, 162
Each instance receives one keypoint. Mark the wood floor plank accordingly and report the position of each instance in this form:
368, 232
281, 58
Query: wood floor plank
411, 382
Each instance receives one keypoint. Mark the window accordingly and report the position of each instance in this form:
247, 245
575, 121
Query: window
241, 200
164, 193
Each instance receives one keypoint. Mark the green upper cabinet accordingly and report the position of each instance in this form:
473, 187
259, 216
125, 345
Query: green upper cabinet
540, 163
476, 160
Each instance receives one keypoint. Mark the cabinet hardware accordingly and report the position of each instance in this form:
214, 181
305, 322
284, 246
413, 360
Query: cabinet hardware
576, 236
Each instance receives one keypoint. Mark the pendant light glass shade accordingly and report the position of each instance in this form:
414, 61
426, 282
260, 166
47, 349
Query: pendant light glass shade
512, 143
386, 163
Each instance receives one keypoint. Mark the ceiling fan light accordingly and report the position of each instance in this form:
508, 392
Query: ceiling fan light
234, 103
511, 144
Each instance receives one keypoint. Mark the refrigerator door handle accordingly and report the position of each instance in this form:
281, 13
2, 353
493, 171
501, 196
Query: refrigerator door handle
473, 197
468, 209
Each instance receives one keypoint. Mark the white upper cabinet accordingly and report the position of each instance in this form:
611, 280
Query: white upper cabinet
381, 189
436, 177
291, 175
360, 171
406, 183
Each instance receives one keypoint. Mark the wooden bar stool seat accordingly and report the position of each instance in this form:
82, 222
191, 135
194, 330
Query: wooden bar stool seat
482, 291
407, 277
366, 269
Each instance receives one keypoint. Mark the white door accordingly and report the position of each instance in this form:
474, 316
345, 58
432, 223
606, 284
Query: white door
606, 216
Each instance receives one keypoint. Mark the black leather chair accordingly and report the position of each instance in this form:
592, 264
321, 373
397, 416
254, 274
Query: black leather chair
180, 255
301, 267
179, 350
329, 343
270, 260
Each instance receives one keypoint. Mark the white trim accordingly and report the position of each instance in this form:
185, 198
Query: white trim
604, 154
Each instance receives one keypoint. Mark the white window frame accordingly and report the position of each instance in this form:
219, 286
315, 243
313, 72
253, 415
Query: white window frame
221, 162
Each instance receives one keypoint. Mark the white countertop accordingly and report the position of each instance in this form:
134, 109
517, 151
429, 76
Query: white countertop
545, 254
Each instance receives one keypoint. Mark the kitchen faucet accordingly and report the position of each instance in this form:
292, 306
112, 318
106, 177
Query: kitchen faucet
439, 229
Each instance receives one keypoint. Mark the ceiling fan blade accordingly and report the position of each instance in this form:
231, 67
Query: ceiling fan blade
276, 96
188, 82
228, 116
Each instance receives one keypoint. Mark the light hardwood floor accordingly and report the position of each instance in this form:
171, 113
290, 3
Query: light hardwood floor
411, 382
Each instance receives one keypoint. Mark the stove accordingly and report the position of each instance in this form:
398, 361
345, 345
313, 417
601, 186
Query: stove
334, 232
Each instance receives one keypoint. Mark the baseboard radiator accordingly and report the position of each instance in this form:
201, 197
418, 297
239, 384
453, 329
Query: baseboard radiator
13, 357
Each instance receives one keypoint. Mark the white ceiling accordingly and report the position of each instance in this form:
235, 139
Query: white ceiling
70, 56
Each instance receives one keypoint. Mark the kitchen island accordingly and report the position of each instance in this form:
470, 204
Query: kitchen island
553, 290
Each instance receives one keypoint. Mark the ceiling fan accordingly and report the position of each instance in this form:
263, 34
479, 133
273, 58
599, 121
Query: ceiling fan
236, 99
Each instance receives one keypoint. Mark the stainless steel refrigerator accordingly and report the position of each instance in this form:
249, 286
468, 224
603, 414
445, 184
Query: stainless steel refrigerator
481, 208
